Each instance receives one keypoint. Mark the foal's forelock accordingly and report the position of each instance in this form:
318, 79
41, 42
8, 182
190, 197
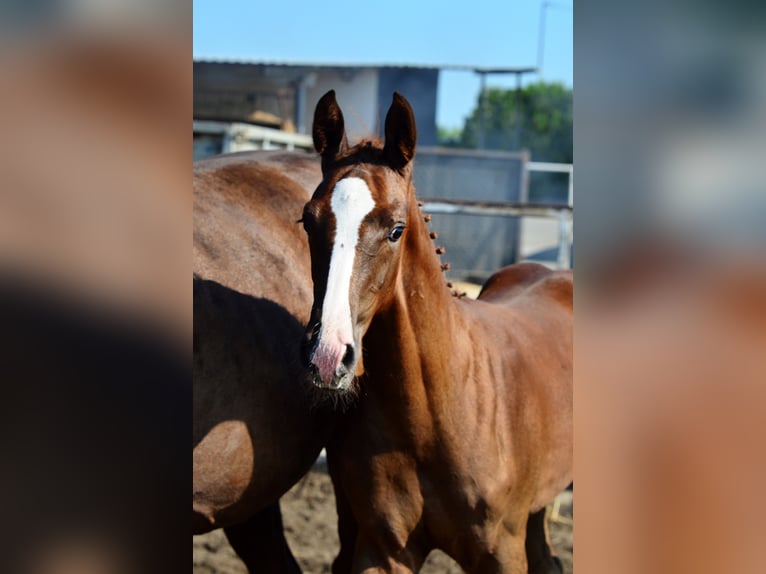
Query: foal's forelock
350, 203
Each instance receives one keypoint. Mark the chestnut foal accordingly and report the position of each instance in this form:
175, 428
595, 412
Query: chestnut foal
461, 430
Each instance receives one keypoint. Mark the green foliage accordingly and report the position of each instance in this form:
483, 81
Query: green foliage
448, 137
542, 123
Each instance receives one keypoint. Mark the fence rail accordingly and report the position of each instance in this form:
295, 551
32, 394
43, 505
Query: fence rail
242, 137
550, 167
501, 208
563, 212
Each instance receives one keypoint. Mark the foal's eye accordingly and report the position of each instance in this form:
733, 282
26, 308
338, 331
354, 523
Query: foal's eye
395, 233
306, 221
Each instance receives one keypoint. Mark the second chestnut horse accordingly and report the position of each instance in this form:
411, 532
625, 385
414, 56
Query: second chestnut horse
256, 427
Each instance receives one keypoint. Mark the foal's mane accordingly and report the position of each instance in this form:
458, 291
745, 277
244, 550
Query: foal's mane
368, 151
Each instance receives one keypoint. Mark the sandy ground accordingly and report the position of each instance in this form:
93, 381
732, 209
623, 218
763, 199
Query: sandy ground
310, 525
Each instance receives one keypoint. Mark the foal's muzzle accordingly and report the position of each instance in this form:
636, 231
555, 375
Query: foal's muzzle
331, 366
341, 380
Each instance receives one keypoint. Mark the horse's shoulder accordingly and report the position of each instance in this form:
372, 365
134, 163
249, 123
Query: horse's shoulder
531, 279
246, 208
257, 177
559, 286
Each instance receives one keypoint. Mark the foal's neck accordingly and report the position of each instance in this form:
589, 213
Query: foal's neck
424, 289
415, 333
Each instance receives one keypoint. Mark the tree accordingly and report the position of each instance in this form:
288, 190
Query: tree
448, 137
542, 124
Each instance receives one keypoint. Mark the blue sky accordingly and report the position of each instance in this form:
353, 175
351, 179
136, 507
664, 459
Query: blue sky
476, 33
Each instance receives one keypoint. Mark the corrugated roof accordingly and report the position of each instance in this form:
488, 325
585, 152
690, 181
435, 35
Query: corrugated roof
295, 64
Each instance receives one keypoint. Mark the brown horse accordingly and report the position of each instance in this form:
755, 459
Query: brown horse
461, 432
256, 431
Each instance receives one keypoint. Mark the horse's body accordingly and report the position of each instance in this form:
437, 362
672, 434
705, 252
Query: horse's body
255, 429
462, 429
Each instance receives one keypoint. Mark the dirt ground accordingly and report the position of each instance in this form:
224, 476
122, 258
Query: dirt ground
310, 524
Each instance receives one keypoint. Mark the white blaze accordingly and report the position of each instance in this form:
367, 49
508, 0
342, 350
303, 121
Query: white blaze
351, 202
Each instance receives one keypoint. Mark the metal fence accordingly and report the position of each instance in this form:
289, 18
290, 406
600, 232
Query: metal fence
477, 245
480, 196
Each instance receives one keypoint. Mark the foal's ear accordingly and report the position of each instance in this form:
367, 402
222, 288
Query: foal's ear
329, 130
401, 134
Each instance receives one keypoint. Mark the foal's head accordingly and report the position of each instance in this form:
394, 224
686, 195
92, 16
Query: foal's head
356, 223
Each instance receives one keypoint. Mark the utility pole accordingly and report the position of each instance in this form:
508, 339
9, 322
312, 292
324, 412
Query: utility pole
541, 36
482, 108
541, 29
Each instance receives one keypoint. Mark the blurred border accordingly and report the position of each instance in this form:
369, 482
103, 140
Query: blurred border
670, 328
95, 298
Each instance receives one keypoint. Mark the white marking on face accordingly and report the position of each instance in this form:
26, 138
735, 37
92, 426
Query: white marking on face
351, 202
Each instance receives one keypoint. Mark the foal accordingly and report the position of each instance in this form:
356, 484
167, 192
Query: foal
461, 432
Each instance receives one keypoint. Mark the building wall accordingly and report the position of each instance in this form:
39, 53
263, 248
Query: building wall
419, 86
244, 92
357, 93
365, 94
285, 95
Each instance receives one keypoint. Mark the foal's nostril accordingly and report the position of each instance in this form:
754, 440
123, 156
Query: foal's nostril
307, 347
348, 358
309, 343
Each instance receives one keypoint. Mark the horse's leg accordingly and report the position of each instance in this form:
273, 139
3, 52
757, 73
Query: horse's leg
370, 558
347, 529
261, 543
498, 549
539, 556
507, 558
